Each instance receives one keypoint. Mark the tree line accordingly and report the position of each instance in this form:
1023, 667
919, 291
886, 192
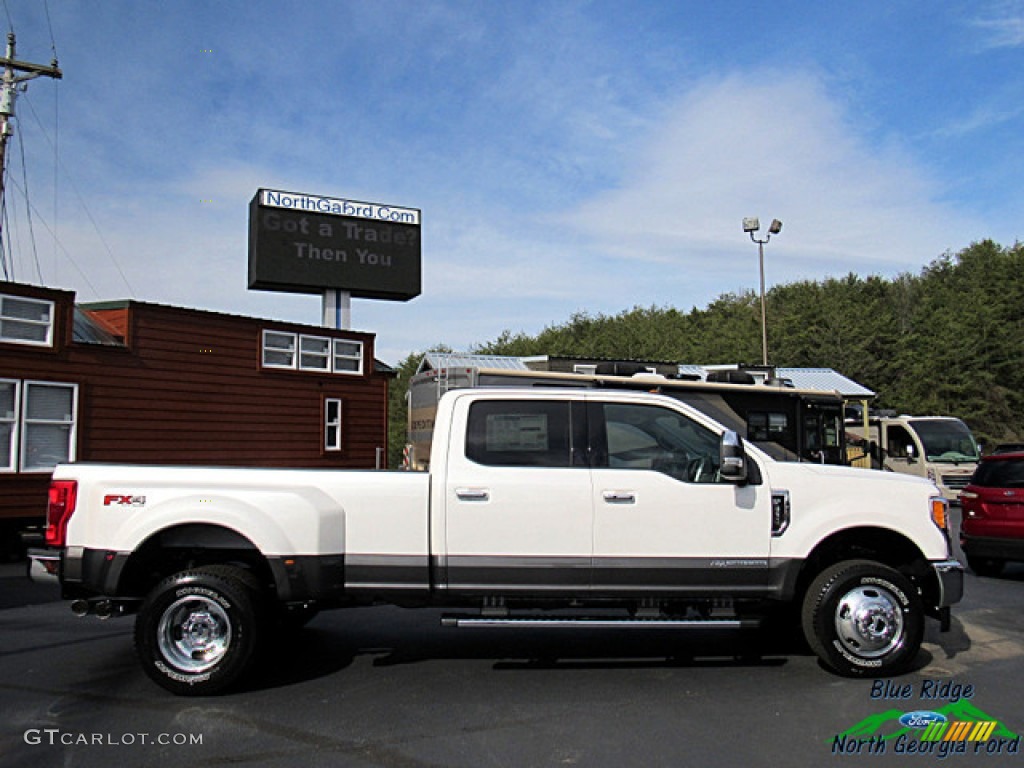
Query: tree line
948, 341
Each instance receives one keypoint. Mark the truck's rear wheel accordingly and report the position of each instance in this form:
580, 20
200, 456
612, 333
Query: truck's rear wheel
863, 618
197, 631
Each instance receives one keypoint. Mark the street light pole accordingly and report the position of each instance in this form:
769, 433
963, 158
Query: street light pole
752, 225
764, 313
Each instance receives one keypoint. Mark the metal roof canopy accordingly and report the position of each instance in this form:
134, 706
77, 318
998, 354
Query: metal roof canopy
806, 379
436, 360
825, 379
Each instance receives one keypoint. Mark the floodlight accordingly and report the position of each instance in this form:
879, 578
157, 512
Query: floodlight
752, 224
775, 228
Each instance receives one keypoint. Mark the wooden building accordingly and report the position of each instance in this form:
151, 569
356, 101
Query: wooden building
145, 383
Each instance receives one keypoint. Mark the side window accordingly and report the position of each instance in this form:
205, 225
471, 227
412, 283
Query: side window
764, 426
658, 439
9, 391
332, 424
898, 440
519, 433
49, 425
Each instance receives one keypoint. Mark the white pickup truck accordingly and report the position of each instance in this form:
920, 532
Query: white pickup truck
558, 507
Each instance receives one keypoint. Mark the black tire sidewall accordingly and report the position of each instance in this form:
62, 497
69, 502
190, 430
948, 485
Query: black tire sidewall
239, 603
819, 612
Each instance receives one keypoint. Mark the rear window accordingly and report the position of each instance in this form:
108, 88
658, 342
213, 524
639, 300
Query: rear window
519, 434
1004, 473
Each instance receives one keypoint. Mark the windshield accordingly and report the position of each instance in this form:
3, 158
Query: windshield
946, 440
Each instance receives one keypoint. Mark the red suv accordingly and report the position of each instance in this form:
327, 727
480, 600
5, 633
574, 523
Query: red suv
992, 530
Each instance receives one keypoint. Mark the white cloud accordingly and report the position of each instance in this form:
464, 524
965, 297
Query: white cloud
1005, 29
774, 145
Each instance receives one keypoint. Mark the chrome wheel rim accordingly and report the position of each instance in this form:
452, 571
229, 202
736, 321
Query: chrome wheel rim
869, 622
194, 634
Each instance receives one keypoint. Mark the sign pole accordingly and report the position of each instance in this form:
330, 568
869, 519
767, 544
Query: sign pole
337, 309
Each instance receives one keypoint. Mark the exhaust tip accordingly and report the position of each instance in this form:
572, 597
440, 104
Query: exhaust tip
104, 608
80, 608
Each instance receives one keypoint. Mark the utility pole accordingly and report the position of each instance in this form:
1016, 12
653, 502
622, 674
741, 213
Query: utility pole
9, 83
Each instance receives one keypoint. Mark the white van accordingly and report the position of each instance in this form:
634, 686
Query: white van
939, 448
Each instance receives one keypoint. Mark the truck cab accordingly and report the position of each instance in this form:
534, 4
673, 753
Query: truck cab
937, 448
787, 423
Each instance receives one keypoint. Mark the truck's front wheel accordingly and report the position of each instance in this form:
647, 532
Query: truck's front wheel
863, 618
197, 631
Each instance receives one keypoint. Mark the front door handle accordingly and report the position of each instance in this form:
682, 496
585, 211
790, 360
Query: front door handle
472, 494
619, 497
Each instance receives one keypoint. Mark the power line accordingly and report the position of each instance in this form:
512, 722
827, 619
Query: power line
67, 254
49, 26
28, 209
56, 131
10, 21
81, 199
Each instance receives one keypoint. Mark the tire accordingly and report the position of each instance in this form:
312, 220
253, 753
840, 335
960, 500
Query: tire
197, 631
863, 619
985, 566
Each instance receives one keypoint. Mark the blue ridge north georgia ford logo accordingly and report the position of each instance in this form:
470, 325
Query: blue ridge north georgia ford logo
958, 727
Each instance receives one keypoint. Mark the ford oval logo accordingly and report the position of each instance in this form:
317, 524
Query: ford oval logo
921, 719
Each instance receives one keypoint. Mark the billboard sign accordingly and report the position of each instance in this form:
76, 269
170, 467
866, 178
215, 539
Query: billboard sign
309, 243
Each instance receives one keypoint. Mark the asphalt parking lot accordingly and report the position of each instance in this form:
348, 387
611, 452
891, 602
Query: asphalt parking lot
388, 687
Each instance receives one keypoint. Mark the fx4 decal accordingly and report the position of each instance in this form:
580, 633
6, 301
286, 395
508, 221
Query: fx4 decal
119, 500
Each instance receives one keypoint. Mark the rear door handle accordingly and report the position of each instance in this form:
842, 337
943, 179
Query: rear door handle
619, 497
472, 494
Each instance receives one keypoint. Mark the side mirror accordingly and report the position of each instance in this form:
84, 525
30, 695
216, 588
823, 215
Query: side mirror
732, 464
911, 453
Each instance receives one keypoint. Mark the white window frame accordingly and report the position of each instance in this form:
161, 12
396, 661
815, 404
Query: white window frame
332, 445
292, 350
337, 356
324, 356
27, 423
303, 354
14, 420
48, 322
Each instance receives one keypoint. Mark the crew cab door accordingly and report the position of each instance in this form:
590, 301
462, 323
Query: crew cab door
664, 521
518, 498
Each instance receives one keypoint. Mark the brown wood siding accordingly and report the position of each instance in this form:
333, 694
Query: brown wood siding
189, 389
24, 496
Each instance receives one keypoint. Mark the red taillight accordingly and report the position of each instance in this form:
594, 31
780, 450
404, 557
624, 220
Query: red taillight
63, 495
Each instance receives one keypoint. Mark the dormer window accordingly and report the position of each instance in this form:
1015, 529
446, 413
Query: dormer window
305, 352
26, 321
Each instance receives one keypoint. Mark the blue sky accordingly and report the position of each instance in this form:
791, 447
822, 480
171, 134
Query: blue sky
566, 156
